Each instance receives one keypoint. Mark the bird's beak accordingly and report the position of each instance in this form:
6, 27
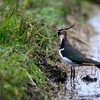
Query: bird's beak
55, 35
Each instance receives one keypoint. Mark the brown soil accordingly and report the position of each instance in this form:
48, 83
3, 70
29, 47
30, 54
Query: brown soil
78, 36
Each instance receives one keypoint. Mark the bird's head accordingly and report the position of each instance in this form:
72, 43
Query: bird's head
62, 33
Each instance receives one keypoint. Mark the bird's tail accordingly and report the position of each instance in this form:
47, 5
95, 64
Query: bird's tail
98, 66
96, 63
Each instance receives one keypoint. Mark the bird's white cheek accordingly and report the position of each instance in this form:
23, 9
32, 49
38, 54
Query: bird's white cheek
61, 37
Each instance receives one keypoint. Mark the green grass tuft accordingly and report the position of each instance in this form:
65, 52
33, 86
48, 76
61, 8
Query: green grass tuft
26, 38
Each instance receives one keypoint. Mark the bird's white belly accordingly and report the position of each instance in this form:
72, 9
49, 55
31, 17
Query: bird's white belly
68, 61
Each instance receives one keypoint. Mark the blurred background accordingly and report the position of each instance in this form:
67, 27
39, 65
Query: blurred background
29, 60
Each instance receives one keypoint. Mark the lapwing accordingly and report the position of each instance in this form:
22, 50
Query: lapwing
71, 55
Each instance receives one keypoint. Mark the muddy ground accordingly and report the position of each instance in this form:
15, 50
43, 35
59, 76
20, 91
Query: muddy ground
87, 77
58, 74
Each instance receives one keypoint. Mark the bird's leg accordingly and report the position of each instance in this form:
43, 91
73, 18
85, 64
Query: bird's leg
72, 76
73, 73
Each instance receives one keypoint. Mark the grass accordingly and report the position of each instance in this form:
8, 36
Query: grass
26, 38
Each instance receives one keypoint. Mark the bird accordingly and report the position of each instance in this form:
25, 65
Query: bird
72, 56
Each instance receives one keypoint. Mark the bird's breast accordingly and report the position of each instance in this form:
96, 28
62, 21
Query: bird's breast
64, 58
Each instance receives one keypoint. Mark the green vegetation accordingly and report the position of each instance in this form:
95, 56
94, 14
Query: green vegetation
26, 41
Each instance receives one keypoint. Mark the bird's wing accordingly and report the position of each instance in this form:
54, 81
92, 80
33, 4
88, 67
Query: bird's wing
67, 50
74, 55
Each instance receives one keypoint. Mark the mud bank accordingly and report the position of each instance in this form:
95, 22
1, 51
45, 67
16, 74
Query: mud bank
87, 90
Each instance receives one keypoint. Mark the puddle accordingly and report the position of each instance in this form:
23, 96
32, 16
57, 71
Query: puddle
95, 22
85, 90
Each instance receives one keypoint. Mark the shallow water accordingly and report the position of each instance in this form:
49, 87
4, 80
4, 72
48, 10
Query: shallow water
87, 90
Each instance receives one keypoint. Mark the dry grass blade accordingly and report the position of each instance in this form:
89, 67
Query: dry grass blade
33, 83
